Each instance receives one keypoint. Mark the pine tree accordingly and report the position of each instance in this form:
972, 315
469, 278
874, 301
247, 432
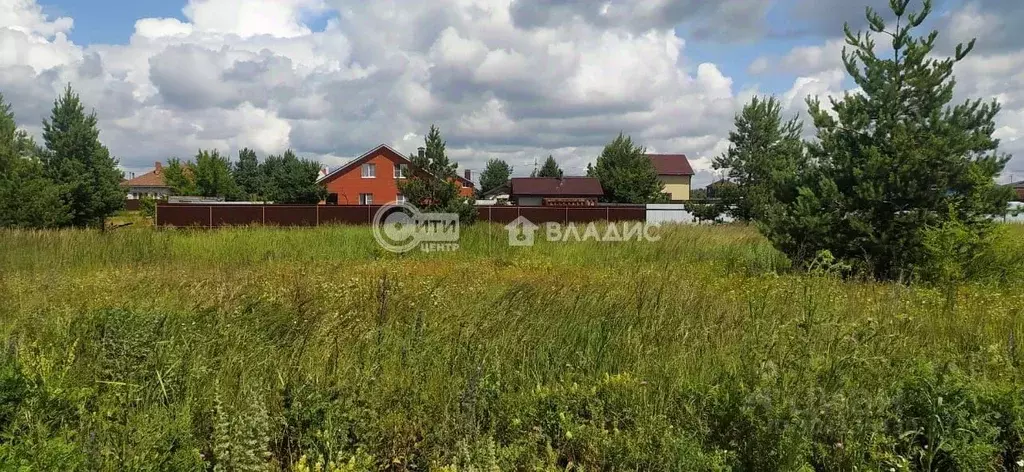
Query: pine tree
431, 185
88, 177
764, 159
495, 174
247, 173
896, 159
27, 198
550, 169
627, 174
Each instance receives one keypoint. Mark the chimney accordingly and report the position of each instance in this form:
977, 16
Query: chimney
159, 167
422, 151
469, 175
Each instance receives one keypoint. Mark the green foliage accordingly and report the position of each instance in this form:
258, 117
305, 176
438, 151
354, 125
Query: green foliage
180, 177
76, 161
27, 198
247, 174
495, 174
432, 185
147, 207
288, 179
212, 174
549, 169
764, 160
891, 161
627, 174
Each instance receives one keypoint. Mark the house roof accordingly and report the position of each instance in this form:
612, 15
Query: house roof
359, 160
373, 152
671, 164
153, 178
556, 187
502, 189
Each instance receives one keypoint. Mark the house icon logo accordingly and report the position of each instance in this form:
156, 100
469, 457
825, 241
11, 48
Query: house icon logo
521, 232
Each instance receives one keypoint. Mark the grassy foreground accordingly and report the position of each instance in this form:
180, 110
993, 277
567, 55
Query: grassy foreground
312, 349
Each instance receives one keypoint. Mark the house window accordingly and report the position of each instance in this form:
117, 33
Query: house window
366, 199
401, 171
369, 171
400, 198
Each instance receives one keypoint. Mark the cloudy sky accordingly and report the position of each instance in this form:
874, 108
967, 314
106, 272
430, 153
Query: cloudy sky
514, 79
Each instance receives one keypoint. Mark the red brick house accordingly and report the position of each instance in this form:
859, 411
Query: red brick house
553, 191
372, 179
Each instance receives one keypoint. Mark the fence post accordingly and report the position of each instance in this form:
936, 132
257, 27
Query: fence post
263, 207
318, 215
211, 215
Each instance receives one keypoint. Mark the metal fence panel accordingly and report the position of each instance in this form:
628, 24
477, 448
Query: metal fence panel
237, 215
290, 215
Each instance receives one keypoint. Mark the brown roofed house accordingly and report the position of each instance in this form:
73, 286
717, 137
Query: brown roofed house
151, 185
565, 191
675, 173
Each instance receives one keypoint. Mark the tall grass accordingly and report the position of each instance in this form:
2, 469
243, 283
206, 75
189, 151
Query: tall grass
271, 349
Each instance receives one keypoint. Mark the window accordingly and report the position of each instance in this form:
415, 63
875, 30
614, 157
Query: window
366, 199
400, 198
401, 170
369, 171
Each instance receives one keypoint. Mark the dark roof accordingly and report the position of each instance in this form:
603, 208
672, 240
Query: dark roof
1017, 184
383, 148
671, 164
555, 187
501, 189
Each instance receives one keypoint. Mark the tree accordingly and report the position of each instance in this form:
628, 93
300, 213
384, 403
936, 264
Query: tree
549, 169
288, 179
495, 174
180, 178
627, 174
895, 159
431, 185
88, 177
764, 160
27, 198
247, 174
212, 173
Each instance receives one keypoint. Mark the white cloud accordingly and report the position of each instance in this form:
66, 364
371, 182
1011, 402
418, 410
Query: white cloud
513, 79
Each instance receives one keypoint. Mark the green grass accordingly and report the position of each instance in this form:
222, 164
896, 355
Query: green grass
271, 349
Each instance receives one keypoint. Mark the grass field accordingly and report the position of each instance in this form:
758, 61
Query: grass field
313, 349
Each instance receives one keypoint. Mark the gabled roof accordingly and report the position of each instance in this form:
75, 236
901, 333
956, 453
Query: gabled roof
359, 160
556, 187
502, 189
463, 180
671, 164
153, 178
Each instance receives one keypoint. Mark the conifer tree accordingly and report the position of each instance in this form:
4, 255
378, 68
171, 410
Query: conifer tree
549, 169
431, 183
27, 198
895, 159
495, 174
627, 174
247, 173
82, 167
764, 158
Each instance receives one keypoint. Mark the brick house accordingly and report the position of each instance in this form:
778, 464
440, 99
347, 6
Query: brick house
675, 173
148, 185
545, 191
372, 179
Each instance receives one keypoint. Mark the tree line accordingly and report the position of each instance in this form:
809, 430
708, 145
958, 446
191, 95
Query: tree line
284, 178
626, 174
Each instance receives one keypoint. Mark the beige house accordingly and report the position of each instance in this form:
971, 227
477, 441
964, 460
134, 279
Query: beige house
675, 173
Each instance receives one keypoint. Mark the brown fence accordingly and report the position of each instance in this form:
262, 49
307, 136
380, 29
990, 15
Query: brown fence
214, 216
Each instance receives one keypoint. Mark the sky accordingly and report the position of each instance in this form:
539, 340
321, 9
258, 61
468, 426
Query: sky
511, 79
